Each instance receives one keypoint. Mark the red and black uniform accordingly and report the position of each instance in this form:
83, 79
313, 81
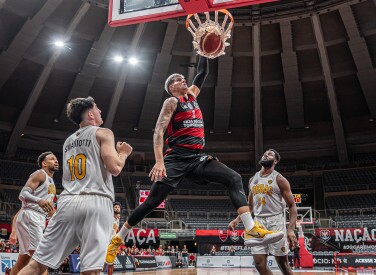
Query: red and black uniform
186, 128
186, 139
185, 159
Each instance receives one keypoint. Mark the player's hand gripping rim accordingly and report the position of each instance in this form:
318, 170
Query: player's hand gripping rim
158, 172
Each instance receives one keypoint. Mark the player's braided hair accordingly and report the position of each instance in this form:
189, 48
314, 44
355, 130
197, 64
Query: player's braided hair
77, 106
42, 157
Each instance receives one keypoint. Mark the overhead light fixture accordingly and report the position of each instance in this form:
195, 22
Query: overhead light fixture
229, 132
133, 60
307, 126
371, 119
119, 59
59, 43
56, 120
135, 129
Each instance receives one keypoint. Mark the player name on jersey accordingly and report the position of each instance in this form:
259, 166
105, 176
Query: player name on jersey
77, 143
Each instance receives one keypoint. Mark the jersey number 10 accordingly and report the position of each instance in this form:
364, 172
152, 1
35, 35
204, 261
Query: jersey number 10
77, 166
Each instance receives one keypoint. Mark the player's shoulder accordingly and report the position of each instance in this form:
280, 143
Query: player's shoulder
39, 175
104, 132
171, 100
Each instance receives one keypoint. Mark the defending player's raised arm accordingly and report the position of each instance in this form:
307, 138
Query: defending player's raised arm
168, 109
114, 160
284, 187
202, 73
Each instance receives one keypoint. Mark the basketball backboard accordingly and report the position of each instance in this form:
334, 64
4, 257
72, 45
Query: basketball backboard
127, 12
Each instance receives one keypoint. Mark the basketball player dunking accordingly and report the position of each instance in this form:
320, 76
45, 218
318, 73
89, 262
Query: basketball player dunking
182, 116
115, 229
85, 213
37, 197
269, 192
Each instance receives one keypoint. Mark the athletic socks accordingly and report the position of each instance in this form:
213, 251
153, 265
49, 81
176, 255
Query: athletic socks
123, 232
247, 220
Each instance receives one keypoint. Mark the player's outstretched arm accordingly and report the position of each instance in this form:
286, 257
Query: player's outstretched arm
168, 109
27, 192
114, 159
202, 73
286, 193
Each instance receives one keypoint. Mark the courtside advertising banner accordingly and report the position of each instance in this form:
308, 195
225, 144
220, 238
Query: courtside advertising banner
323, 260
218, 261
357, 240
247, 261
163, 261
141, 237
124, 263
220, 236
74, 263
145, 262
355, 260
7, 261
204, 249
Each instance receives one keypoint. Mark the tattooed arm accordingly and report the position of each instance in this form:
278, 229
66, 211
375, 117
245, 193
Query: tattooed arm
168, 109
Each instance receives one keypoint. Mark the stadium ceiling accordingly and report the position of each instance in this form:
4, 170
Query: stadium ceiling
299, 75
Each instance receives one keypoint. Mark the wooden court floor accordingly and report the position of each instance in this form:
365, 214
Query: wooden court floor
233, 271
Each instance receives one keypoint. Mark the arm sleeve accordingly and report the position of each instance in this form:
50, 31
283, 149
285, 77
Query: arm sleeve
27, 196
202, 72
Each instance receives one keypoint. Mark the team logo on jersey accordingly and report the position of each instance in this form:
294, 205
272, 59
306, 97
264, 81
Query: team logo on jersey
270, 181
51, 189
283, 249
203, 158
223, 235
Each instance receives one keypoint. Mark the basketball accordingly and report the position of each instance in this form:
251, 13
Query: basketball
211, 43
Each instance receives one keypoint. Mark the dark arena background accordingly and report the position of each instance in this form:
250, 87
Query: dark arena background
299, 77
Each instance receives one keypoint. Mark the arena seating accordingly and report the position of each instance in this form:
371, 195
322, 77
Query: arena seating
350, 204
350, 180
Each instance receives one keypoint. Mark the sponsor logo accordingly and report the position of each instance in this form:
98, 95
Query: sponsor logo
325, 235
117, 263
234, 236
307, 243
5, 264
163, 263
257, 235
128, 263
270, 181
223, 235
203, 158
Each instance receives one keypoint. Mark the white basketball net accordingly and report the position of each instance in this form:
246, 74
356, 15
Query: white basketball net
222, 30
